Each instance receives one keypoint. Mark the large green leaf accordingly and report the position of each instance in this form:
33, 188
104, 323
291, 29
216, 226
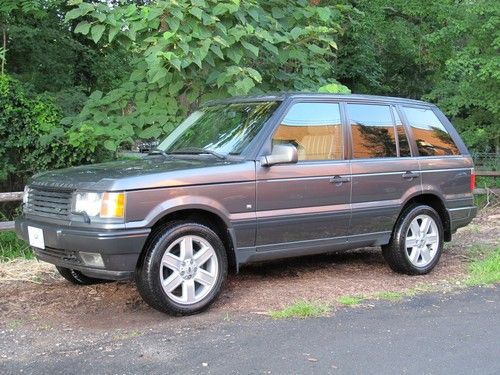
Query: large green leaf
83, 28
251, 48
110, 145
197, 12
96, 32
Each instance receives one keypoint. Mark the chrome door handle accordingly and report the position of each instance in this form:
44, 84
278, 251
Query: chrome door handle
408, 175
337, 180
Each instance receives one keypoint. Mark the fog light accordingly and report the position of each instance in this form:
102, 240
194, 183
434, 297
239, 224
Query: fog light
92, 259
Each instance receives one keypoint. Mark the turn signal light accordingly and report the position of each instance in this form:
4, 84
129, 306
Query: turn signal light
113, 205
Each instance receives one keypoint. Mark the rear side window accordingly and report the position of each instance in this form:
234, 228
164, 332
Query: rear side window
431, 136
315, 129
372, 131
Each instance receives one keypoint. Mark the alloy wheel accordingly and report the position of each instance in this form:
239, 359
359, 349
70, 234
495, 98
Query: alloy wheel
422, 240
189, 269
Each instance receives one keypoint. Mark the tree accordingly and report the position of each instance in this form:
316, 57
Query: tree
445, 51
467, 81
32, 138
186, 52
46, 55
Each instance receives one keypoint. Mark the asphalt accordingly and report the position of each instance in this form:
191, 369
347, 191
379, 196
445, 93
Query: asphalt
453, 333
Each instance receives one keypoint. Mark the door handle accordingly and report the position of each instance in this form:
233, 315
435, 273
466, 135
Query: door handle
409, 175
337, 180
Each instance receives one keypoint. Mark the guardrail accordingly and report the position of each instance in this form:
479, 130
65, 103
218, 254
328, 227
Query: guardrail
18, 195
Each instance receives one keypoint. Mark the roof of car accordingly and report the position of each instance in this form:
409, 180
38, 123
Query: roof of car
280, 96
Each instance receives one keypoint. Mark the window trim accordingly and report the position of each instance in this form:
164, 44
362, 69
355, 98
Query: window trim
267, 144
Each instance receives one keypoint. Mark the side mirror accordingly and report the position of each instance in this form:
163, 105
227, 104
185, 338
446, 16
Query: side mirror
281, 154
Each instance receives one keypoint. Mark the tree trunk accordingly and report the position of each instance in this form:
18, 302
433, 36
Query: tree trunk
4, 51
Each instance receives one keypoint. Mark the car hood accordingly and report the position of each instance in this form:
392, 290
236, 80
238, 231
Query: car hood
146, 173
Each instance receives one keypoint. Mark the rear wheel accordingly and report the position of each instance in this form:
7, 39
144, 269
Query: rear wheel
77, 277
183, 270
417, 241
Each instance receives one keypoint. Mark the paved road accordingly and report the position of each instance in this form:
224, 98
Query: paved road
429, 334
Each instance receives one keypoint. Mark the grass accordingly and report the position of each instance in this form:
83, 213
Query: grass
128, 335
301, 309
390, 296
349, 300
486, 181
485, 269
12, 247
14, 323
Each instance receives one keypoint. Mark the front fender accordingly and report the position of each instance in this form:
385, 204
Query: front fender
186, 202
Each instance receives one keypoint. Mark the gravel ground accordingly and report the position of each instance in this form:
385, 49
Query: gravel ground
52, 301
436, 333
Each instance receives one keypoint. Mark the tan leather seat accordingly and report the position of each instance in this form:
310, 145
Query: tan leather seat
313, 142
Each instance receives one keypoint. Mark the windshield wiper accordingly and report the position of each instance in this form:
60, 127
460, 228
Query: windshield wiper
198, 151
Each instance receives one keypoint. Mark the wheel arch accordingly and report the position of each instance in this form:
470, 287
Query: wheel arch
200, 214
436, 202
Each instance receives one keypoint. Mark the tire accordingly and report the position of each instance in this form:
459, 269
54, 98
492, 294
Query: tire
182, 282
77, 277
417, 241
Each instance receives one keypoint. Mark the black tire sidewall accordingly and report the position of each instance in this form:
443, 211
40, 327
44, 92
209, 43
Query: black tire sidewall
149, 273
402, 230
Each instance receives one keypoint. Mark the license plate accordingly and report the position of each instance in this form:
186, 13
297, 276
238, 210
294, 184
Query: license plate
35, 236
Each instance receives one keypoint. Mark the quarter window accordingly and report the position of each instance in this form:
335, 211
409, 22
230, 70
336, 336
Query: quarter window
314, 128
372, 131
431, 136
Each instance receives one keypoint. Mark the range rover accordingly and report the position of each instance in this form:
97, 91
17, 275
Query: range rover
253, 179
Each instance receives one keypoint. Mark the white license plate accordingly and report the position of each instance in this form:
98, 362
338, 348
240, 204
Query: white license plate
35, 236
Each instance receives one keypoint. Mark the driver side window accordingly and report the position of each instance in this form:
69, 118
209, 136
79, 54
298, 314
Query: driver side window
315, 129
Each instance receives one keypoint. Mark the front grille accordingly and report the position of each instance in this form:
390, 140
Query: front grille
67, 256
51, 203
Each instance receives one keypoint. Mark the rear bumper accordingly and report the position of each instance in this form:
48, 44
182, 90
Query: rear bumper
462, 216
119, 249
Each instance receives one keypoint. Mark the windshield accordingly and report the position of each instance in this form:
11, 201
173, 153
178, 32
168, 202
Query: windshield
224, 129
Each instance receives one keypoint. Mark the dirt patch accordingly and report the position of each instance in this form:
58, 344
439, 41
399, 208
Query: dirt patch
39, 297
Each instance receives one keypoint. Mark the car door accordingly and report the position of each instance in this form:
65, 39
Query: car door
384, 173
305, 202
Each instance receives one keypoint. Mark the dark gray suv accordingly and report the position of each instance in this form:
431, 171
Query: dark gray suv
252, 179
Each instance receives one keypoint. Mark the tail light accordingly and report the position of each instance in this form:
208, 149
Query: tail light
472, 180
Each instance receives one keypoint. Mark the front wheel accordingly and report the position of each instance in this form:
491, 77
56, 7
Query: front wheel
417, 241
184, 269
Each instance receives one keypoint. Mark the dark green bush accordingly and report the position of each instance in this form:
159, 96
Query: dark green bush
33, 140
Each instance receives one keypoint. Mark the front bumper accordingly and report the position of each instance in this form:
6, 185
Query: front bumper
119, 249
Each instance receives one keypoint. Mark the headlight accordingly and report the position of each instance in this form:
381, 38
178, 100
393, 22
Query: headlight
104, 205
26, 194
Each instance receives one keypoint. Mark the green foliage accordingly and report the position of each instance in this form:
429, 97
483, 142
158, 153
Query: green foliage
186, 52
350, 300
335, 88
301, 309
468, 79
45, 54
445, 51
390, 296
485, 270
119, 70
12, 247
32, 138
